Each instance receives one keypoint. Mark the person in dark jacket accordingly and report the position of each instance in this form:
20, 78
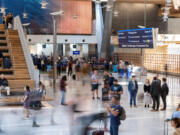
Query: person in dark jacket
4, 85
164, 93
155, 93
111, 80
133, 90
63, 89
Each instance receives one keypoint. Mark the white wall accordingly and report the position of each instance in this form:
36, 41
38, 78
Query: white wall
38, 49
62, 39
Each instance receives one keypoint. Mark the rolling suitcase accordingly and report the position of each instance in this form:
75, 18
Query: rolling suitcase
100, 131
74, 77
166, 128
105, 94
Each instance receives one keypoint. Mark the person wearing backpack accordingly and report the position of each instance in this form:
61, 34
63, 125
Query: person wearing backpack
115, 111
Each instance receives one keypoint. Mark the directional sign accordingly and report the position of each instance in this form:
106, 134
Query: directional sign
136, 38
76, 52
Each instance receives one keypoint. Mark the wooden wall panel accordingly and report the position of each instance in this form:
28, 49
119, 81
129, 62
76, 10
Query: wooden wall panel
67, 24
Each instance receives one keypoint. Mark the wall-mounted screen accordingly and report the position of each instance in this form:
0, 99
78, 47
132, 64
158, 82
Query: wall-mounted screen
136, 38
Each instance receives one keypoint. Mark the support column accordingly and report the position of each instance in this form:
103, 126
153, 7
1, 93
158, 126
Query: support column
54, 55
60, 49
105, 47
99, 26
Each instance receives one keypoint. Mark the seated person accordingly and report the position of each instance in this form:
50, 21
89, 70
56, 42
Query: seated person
176, 114
175, 123
4, 85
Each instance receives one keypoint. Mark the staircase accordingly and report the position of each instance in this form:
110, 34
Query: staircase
18, 75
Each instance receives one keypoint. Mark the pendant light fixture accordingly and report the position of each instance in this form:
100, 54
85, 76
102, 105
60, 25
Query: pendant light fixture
44, 4
2, 10
25, 15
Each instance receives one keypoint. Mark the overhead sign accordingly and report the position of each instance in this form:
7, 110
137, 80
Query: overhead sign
76, 52
136, 38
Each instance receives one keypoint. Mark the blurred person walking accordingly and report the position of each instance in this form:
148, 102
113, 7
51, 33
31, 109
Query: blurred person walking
164, 93
133, 90
63, 85
70, 67
26, 100
39, 95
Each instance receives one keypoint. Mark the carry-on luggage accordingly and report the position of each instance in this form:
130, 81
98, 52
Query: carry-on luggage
74, 77
166, 128
100, 131
105, 94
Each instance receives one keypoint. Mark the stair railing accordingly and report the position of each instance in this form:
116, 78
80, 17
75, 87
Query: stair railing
34, 73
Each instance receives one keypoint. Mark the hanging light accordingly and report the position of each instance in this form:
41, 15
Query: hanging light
25, 15
3, 10
75, 16
44, 4
116, 13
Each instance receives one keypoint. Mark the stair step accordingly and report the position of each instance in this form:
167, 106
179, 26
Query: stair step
2, 38
2, 32
3, 44
4, 48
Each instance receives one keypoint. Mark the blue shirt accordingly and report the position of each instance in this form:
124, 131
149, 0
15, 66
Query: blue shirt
115, 120
176, 115
117, 88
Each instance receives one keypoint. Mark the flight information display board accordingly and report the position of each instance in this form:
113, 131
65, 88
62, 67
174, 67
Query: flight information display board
136, 38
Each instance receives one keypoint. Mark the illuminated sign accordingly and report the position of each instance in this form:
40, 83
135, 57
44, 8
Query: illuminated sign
136, 38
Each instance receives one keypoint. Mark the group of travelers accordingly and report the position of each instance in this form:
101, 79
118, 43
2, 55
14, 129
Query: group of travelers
154, 91
112, 89
8, 20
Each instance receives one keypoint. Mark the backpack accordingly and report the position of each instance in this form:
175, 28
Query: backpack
123, 114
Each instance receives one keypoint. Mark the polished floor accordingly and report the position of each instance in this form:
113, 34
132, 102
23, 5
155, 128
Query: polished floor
140, 121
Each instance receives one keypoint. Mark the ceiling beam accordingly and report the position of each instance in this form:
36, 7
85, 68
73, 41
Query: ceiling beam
159, 2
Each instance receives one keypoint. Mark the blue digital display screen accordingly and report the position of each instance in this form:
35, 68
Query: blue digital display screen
76, 52
136, 38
